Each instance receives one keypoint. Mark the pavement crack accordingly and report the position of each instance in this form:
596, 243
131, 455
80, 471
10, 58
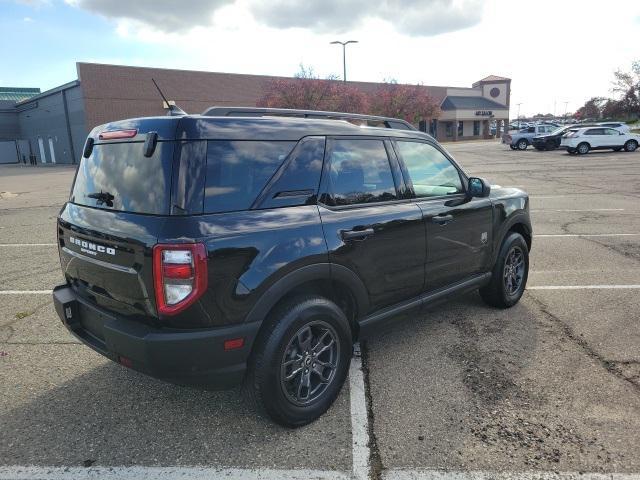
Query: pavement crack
375, 460
613, 368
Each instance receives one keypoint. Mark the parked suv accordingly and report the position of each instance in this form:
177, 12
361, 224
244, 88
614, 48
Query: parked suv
223, 249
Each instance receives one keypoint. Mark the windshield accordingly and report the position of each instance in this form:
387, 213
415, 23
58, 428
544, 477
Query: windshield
560, 130
117, 176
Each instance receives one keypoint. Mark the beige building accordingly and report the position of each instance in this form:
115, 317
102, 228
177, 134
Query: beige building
469, 112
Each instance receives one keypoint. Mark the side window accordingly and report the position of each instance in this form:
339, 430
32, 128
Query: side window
594, 131
360, 172
612, 131
237, 171
432, 174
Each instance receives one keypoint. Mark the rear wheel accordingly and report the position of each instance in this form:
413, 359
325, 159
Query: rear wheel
522, 144
300, 360
510, 273
512, 147
583, 148
631, 146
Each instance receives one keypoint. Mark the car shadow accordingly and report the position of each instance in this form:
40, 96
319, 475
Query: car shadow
109, 415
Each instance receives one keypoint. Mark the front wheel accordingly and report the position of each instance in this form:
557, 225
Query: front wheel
522, 144
631, 146
300, 361
510, 273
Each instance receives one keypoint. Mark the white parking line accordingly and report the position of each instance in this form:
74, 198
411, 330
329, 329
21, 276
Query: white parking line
28, 244
475, 475
359, 418
163, 473
560, 235
28, 292
583, 287
578, 210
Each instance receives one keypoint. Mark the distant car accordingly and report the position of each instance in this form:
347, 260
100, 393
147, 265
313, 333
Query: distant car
623, 127
551, 141
581, 140
521, 139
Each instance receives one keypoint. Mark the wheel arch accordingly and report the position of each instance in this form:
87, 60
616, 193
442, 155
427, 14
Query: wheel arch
519, 223
335, 282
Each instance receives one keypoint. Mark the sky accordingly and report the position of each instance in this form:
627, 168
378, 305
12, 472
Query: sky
555, 51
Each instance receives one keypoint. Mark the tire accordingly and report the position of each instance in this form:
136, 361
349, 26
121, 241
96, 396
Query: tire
522, 144
288, 345
501, 291
583, 148
512, 147
630, 146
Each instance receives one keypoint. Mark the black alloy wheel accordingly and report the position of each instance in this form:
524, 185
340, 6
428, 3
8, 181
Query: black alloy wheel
309, 363
513, 272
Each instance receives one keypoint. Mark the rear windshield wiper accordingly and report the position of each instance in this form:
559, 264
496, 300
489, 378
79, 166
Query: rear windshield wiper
102, 197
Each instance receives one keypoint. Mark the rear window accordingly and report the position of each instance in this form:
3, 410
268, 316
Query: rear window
237, 171
117, 176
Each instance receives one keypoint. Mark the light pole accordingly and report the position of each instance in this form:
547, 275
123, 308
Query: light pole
519, 115
344, 56
565, 111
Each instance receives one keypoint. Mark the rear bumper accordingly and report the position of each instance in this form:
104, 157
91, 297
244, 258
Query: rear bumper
179, 356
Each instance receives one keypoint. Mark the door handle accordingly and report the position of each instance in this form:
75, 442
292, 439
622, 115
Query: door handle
356, 234
442, 219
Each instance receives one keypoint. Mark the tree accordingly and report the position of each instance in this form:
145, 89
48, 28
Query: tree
592, 108
309, 92
409, 102
627, 86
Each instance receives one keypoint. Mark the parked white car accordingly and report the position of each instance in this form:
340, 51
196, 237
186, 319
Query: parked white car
623, 127
581, 140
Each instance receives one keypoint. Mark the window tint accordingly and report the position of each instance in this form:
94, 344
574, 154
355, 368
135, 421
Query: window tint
297, 183
432, 174
595, 131
117, 176
237, 171
360, 172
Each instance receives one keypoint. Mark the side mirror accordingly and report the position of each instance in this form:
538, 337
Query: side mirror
478, 187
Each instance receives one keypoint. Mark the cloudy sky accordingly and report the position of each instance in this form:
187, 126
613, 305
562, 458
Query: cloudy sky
555, 51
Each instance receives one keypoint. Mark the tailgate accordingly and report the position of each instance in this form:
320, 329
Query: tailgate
106, 257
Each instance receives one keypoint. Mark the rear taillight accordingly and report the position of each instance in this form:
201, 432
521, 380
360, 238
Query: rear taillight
117, 134
179, 275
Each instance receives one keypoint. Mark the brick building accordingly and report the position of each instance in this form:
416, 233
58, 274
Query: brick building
52, 125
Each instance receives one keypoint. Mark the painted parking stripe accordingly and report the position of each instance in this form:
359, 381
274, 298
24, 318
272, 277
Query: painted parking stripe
583, 287
475, 475
27, 244
25, 292
163, 473
359, 418
578, 210
560, 235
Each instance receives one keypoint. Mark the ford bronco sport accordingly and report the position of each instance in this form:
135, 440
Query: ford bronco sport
255, 246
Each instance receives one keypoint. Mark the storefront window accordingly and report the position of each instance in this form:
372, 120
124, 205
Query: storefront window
460, 128
476, 127
448, 129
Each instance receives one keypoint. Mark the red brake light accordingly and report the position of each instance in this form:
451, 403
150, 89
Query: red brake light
115, 134
234, 343
179, 275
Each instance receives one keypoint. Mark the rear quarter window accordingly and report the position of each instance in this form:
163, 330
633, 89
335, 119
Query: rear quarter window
117, 176
237, 171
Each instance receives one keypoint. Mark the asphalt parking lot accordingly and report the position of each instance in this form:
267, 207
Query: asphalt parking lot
548, 389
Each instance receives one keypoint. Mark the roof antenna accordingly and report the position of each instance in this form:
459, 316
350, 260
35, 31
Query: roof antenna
174, 110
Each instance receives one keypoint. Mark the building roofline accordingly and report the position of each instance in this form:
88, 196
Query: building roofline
46, 93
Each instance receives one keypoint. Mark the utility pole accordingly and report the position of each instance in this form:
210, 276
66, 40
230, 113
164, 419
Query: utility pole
519, 115
565, 111
344, 56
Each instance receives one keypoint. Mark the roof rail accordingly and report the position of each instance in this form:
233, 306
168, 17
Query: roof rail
387, 122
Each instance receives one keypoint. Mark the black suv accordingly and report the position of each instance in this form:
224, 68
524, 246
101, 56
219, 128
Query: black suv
257, 246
